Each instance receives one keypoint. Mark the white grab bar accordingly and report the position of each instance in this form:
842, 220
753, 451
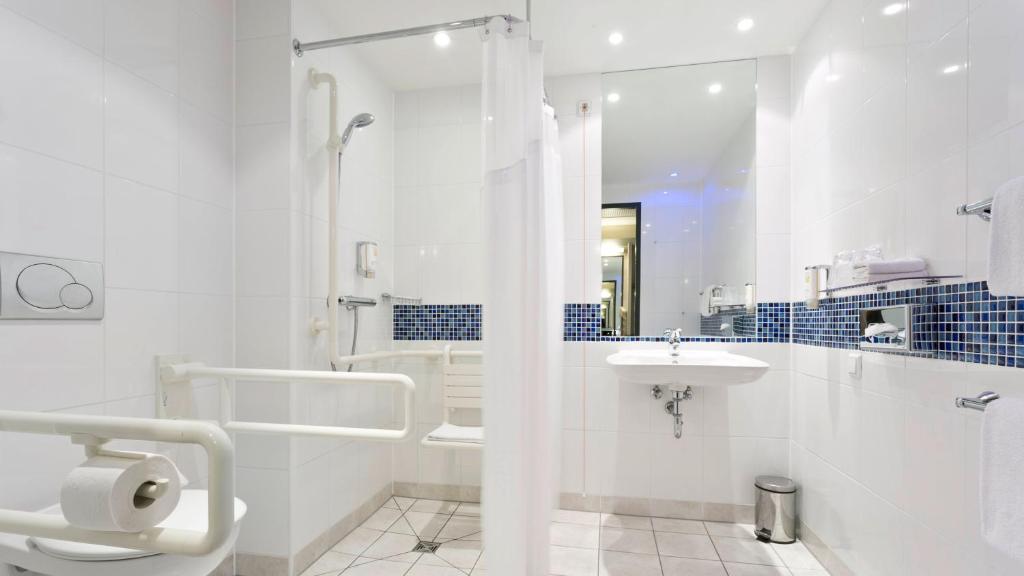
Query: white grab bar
96, 430
389, 354
172, 372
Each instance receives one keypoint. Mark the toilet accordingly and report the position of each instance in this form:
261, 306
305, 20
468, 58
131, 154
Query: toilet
30, 556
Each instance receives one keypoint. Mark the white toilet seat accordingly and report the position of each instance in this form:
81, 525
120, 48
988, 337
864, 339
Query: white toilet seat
64, 558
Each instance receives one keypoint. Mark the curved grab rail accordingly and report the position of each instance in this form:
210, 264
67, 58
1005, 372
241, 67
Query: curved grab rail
96, 430
183, 372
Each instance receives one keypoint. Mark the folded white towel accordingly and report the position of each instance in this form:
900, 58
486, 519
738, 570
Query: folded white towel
894, 266
1002, 475
452, 433
1006, 240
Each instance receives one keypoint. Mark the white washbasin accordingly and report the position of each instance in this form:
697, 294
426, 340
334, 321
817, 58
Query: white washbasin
689, 368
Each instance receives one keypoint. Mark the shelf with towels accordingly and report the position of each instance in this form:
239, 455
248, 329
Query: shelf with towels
977, 403
981, 209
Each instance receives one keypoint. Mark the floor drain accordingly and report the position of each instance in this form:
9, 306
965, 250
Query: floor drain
427, 547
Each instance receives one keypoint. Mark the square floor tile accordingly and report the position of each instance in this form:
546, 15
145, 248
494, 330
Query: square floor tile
391, 544
404, 503
459, 527
746, 550
797, 556
685, 546
691, 567
330, 563
573, 561
623, 521
434, 506
680, 526
626, 540
460, 553
378, 568
426, 525
628, 564
803, 572
576, 517
730, 530
468, 509
421, 569
574, 535
382, 519
357, 541
755, 570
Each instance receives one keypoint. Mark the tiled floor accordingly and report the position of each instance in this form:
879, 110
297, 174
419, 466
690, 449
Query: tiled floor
582, 544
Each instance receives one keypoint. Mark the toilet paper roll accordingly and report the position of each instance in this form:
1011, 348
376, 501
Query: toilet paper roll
121, 493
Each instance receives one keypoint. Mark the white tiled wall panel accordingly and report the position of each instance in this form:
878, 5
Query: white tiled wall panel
104, 157
897, 119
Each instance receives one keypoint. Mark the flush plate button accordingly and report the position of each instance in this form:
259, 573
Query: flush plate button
39, 287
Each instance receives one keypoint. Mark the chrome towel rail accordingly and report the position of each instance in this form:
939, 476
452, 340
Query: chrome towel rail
981, 209
977, 403
407, 300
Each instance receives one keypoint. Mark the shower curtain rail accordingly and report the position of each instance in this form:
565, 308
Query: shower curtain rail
175, 370
302, 47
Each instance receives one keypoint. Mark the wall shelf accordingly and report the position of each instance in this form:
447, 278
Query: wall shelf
882, 285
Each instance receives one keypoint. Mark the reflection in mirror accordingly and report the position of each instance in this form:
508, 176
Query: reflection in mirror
678, 200
620, 269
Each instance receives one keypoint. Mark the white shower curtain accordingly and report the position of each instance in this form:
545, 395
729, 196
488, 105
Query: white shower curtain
523, 304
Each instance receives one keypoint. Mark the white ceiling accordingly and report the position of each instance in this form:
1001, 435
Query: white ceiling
666, 121
575, 33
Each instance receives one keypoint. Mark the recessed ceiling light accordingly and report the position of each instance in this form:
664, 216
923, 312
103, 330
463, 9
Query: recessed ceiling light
951, 69
615, 38
894, 9
442, 39
674, 174
613, 97
745, 24
715, 88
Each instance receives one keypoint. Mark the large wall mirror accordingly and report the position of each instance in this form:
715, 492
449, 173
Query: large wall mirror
678, 200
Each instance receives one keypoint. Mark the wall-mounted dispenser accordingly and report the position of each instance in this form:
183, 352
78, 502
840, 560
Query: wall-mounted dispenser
366, 259
814, 276
887, 328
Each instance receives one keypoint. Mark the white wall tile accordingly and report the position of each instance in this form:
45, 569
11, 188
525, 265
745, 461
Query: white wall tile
207, 75
42, 194
142, 236
262, 82
262, 177
140, 130
204, 248
138, 325
53, 102
80, 21
207, 157
39, 360
142, 36
937, 100
257, 18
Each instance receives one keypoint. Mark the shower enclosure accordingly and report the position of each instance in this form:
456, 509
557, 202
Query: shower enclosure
410, 174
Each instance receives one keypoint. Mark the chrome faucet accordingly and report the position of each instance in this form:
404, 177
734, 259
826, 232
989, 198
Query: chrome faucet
674, 338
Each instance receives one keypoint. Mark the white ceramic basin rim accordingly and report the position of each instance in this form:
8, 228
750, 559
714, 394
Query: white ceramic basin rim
689, 368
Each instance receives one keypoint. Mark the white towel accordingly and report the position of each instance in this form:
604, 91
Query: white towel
894, 266
452, 433
1006, 240
1002, 475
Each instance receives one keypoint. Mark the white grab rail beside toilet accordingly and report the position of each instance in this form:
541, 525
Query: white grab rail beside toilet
94, 431
176, 370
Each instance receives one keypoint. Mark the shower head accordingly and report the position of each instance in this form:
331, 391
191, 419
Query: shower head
358, 121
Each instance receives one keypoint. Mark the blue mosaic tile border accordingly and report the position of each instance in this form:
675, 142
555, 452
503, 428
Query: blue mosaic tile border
437, 322
583, 324
961, 322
